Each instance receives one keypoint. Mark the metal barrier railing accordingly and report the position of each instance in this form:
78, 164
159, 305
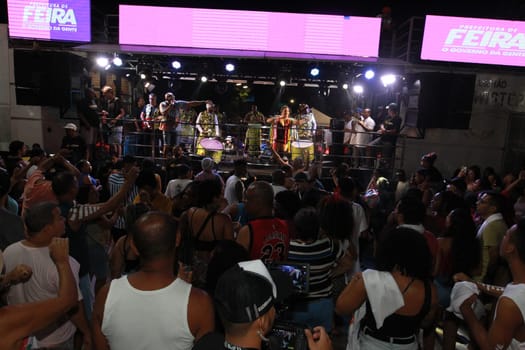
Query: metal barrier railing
254, 141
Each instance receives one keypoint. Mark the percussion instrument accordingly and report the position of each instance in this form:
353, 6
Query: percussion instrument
253, 139
210, 147
303, 149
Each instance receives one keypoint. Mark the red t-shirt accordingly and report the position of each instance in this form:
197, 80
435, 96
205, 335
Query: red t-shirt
269, 239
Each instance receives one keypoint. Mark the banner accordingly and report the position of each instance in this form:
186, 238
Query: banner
474, 40
62, 20
249, 30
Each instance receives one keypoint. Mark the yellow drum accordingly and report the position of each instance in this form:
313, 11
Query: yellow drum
303, 149
212, 148
253, 139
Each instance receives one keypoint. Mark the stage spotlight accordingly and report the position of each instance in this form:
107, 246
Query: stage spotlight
314, 72
117, 61
369, 74
388, 79
282, 83
176, 64
358, 89
230, 67
142, 76
128, 75
292, 101
345, 86
245, 86
102, 61
204, 79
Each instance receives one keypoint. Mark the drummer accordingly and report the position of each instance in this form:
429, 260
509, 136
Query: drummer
254, 119
207, 124
307, 129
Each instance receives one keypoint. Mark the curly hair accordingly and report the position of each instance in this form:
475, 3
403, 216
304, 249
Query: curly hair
336, 217
407, 251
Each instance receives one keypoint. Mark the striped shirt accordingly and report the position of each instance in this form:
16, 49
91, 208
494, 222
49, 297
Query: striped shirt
321, 255
115, 182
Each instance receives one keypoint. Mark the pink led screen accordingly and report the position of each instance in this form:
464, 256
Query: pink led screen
64, 20
474, 40
249, 30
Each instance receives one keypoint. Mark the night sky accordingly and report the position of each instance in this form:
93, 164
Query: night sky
401, 10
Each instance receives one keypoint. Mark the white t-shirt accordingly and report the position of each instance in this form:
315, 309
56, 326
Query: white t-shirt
176, 186
229, 189
349, 136
43, 285
277, 189
516, 293
144, 320
360, 225
361, 138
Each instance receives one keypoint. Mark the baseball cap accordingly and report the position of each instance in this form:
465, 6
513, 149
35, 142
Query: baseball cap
207, 163
393, 106
164, 105
248, 290
459, 182
106, 89
70, 126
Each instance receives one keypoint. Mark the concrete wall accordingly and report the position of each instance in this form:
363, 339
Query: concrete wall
496, 97
31, 124
5, 130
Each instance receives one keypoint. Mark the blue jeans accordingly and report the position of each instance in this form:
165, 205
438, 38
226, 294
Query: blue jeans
87, 295
316, 312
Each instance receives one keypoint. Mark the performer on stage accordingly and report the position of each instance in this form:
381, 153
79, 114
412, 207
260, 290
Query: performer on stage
207, 124
149, 114
174, 117
169, 121
113, 118
307, 129
281, 126
255, 120
185, 127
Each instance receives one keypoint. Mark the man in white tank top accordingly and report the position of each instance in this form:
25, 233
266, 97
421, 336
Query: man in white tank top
152, 308
507, 330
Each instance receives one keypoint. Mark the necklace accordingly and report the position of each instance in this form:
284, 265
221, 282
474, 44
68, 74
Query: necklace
230, 346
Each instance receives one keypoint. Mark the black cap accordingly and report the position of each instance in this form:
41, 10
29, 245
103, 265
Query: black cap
248, 290
459, 182
393, 106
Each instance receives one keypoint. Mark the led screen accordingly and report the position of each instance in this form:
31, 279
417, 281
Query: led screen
63, 20
249, 30
474, 40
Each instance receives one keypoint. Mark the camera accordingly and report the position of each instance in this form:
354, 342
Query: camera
299, 273
285, 334
288, 336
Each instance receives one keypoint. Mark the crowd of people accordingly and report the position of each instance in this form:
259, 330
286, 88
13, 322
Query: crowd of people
135, 258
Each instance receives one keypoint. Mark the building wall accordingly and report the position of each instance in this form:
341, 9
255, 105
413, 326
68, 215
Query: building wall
5, 132
496, 97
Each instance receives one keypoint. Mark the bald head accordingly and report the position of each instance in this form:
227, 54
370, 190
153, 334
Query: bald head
155, 236
259, 199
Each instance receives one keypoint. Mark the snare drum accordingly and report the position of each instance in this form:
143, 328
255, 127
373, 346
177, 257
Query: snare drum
303, 149
210, 147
